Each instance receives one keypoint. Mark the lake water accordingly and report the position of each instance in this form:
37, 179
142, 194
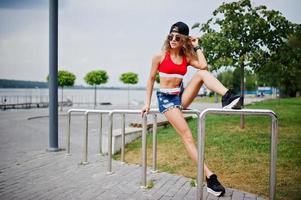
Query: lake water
77, 96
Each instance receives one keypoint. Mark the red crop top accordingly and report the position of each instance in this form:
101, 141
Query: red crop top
167, 68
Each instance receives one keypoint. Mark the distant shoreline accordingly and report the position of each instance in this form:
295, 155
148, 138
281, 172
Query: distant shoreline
22, 84
83, 88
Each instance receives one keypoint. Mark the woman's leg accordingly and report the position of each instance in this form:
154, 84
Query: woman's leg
213, 185
201, 77
177, 120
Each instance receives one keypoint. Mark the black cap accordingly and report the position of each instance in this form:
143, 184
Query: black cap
180, 27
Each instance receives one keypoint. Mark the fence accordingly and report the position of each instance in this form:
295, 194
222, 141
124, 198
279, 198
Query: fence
201, 140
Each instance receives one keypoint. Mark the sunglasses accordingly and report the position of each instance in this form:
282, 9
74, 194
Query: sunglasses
171, 36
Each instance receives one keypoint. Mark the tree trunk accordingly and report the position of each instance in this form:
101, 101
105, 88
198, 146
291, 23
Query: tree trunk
215, 97
94, 96
62, 99
128, 95
242, 89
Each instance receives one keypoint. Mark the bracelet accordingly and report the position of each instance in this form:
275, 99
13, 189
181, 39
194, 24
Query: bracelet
197, 48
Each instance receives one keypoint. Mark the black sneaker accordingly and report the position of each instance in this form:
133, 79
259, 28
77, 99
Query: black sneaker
214, 186
231, 101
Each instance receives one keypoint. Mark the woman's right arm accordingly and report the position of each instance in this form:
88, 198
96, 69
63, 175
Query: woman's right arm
150, 83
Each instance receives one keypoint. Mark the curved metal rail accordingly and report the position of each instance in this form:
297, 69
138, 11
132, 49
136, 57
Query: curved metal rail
201, 145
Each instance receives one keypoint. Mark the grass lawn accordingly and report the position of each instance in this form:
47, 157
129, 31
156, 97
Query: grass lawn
239, 157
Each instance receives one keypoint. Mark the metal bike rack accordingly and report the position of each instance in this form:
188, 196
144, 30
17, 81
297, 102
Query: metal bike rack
69, 113
111, 113
85, 160
86, 112
201, 140
144, 143
201, 145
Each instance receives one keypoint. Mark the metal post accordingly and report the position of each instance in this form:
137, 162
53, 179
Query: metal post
85, 161
201, 145
154, 170
69, 114
68, 136
123, 138
144, 152
100, 135
110, 133
273, 158
201, 149
53, 84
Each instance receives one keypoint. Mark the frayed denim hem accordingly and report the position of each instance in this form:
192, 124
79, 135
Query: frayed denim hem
171, 107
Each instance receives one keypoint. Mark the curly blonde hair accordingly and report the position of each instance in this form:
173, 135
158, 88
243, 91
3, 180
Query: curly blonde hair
187, 49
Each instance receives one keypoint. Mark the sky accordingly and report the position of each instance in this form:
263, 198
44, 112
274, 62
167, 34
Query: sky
115, 36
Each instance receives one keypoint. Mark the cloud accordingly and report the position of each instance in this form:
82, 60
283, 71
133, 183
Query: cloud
116, 36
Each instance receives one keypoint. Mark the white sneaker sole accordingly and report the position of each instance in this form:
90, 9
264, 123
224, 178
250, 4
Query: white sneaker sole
232, 104
217, 194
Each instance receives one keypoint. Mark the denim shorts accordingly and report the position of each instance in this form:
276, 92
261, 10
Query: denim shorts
168, 101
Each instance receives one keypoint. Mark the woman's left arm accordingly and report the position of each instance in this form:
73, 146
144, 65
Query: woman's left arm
200, 62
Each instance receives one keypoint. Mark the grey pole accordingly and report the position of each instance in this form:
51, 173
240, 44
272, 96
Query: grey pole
144, 153
100, 135
53, 85
123, 138
274, 137
85, 161
201, 152
110, 133
68, 133
154, 170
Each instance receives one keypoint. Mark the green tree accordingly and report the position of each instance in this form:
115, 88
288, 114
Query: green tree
230, 79
283, 69
241, 35
65, 79
129, 78
226, 78
94, 78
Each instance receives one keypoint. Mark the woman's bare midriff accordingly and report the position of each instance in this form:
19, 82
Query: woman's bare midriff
170, 82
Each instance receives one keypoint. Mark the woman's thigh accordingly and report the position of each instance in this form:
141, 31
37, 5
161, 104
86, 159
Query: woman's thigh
191, 90
177, 120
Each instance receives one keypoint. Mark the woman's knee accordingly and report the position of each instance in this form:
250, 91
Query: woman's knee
186, 136
202, 73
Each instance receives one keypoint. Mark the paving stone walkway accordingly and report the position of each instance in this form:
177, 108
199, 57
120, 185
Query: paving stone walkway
28, 171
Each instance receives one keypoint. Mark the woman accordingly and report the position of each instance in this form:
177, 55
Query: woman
179, 51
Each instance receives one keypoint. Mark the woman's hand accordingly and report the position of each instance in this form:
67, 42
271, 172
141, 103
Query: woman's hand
145, 110
194, 41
